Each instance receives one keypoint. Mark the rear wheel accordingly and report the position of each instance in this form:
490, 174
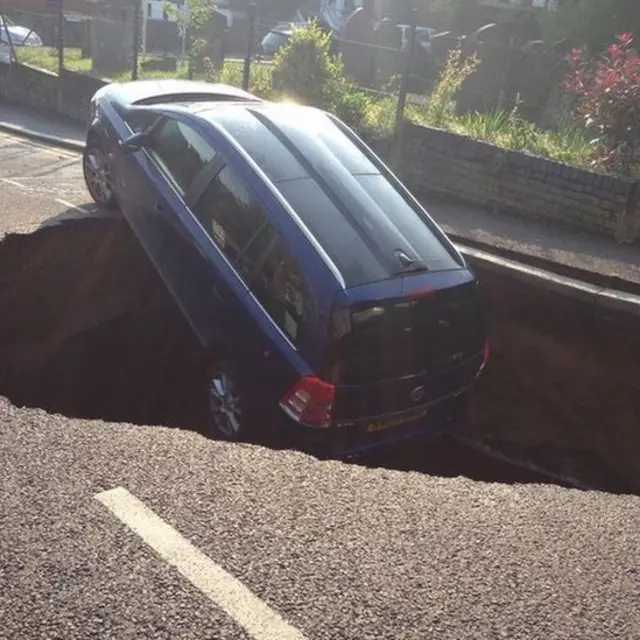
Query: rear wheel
97, 174
228, 409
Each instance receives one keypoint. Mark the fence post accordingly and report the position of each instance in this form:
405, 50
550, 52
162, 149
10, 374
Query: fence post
398, 131
247, 61
136, 38
60, 37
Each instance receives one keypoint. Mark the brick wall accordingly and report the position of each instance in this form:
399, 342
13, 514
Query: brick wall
505, 181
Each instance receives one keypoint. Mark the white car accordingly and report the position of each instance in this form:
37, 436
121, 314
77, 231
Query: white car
11, 33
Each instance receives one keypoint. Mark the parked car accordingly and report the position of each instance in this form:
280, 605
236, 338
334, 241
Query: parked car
276, 39
19, 36
321, 289
280, 34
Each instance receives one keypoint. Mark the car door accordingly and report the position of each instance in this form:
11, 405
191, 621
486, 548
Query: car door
155, 183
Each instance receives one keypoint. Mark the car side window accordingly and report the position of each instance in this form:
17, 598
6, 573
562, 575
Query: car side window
236, 221
140, 120
281, 289
180, 152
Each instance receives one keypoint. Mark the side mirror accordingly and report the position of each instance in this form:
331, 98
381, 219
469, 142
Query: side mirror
133, 143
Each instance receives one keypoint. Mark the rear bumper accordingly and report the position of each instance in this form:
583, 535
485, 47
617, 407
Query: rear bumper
441, 416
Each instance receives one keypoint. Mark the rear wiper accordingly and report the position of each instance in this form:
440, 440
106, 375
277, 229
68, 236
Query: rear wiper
416, 267
409, 265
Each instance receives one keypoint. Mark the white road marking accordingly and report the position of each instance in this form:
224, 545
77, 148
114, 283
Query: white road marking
76, 207
15, 183
257, 618
59, 151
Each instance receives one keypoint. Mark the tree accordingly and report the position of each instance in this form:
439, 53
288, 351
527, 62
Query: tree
191, 16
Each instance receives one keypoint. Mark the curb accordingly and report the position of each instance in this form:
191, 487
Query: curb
604, 297
58, 141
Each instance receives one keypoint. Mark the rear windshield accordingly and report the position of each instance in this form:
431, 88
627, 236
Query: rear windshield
367, 227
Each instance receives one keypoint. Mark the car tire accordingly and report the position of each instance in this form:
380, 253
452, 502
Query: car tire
230, 412
97, 174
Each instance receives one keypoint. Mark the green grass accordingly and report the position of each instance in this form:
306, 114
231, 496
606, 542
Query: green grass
567, 143
47, 58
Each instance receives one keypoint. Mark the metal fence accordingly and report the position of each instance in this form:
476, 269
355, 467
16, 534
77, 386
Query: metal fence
127, 45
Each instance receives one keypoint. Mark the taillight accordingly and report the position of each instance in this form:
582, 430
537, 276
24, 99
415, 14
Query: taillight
310, 402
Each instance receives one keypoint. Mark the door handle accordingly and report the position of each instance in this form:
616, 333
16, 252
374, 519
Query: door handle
159, 207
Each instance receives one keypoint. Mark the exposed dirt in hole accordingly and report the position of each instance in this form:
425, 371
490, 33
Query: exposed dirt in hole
563, 382
88, 330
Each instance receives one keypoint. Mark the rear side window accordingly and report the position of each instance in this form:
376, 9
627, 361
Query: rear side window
280, 288
236, 221
180, 152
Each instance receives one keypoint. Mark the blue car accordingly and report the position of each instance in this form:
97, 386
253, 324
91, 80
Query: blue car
323, 294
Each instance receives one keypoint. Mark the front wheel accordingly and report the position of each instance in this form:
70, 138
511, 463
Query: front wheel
97, 174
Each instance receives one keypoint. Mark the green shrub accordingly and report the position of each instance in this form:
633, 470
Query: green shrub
303, 67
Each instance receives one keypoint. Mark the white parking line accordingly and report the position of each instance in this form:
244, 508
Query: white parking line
32, 144
257, 618
75, 207
15, 183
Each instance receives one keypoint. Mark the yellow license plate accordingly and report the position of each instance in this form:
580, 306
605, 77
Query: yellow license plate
390, 423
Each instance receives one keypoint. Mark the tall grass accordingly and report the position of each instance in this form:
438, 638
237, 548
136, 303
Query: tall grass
567, 142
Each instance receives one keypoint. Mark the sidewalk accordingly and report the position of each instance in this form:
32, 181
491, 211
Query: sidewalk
534, 240
24, 120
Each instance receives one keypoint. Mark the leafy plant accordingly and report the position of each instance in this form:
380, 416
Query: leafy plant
608, 102
457, 68
305, 70
303, 67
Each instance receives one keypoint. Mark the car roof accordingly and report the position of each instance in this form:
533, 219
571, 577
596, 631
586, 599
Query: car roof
362, 217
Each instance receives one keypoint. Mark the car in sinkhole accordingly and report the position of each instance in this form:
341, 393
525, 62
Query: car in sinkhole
320, 289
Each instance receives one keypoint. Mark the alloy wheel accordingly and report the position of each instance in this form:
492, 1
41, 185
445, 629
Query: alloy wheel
224, 405
98, 176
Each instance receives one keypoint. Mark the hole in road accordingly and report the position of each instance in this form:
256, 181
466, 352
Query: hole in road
88, 330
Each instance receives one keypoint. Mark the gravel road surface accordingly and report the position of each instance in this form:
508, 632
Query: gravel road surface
337, 550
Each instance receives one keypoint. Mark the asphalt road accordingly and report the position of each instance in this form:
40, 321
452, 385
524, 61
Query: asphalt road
263, 544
